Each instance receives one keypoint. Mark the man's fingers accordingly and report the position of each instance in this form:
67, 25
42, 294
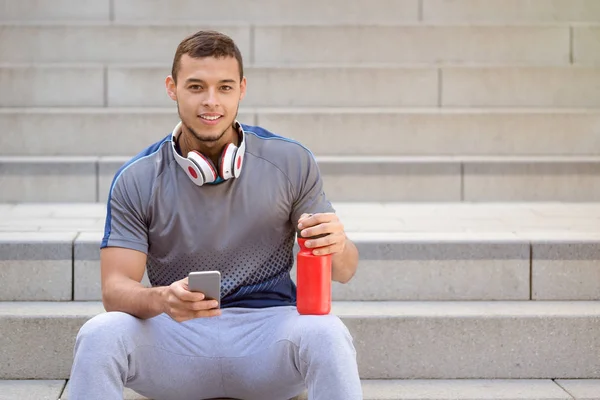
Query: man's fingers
315, 219
185, 295
202, 305
323, 229
322, 242
207, 313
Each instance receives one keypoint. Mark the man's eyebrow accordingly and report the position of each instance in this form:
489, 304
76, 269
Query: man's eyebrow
197, 80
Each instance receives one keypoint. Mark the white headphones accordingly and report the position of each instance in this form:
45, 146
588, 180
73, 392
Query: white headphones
201, 169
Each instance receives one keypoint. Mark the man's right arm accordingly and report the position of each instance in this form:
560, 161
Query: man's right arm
122, 273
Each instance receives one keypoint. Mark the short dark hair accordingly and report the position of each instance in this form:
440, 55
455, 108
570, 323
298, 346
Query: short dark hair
207, 44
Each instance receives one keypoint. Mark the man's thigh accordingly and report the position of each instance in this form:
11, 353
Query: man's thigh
265, 361
164, 359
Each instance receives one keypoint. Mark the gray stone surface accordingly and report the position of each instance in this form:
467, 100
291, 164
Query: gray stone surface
87, 131
430, 270
112, 43
526, 389
31, 86
282, 86
30, 389
326, 131
54, 10
435, 280
566, 271
521, 87
342, 87
37, 339
548, 45
36, 266
586, 49
397, 179
532, 181
128, 394
581, 389
45, 179
373, 221
394, 340
271, 11
454, 340
342, 131
510, 11
36, 246
36, 280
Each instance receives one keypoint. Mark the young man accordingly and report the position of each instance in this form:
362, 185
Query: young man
215, 195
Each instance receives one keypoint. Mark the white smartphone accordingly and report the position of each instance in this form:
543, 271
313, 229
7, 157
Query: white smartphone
207, 282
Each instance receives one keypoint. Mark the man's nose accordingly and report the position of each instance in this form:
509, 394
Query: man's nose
211, 99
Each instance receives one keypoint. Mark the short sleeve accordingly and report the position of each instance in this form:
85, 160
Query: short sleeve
310, 195
125, 216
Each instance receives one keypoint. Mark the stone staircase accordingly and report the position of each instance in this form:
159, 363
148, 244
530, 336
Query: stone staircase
459, 141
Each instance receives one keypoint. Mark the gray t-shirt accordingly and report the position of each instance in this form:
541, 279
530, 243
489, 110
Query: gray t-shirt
244, 227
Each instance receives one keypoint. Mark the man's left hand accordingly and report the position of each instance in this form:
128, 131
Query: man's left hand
320, 224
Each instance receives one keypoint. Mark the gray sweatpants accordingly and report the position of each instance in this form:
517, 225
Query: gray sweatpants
267, 354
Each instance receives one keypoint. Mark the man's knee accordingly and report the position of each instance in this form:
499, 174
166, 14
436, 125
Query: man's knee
324, 331
106, 329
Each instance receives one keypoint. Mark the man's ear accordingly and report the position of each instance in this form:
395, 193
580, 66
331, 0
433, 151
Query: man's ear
171, 87
242, 88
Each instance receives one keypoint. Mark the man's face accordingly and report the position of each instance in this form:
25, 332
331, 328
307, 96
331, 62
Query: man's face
208, 93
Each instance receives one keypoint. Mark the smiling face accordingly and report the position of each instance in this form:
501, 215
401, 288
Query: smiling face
208, 92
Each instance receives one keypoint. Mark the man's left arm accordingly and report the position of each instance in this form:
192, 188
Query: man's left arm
344, 252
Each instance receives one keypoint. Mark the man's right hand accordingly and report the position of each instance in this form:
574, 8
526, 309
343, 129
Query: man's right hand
183, 305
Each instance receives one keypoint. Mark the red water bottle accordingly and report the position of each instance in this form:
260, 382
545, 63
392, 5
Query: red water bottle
313, 281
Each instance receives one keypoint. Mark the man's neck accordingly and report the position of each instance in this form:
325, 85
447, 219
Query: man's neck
211, 150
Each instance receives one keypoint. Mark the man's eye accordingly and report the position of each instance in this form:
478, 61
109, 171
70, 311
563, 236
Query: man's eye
226, 88
195, 87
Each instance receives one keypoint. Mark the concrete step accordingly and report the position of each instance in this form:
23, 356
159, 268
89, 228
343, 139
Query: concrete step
394, 340
334, 85
498, 389
290, 12
254, 11
509, 11
421, 252
328, 131
432, 179
541, 44
525, 389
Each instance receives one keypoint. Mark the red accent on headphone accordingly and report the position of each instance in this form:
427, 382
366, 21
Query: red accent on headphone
193, 172
239, 162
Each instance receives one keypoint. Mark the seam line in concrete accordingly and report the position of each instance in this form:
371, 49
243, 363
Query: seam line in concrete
421, 12
571, 45
97, 196
105, 86
462, 181
440, 82
530, 271
111, 10
73, 266
565, 390
252, 44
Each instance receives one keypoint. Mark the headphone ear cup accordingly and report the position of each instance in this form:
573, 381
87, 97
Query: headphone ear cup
193, 171
226, 161
205, 166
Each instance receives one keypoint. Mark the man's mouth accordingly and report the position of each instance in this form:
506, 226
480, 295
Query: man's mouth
210, 117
